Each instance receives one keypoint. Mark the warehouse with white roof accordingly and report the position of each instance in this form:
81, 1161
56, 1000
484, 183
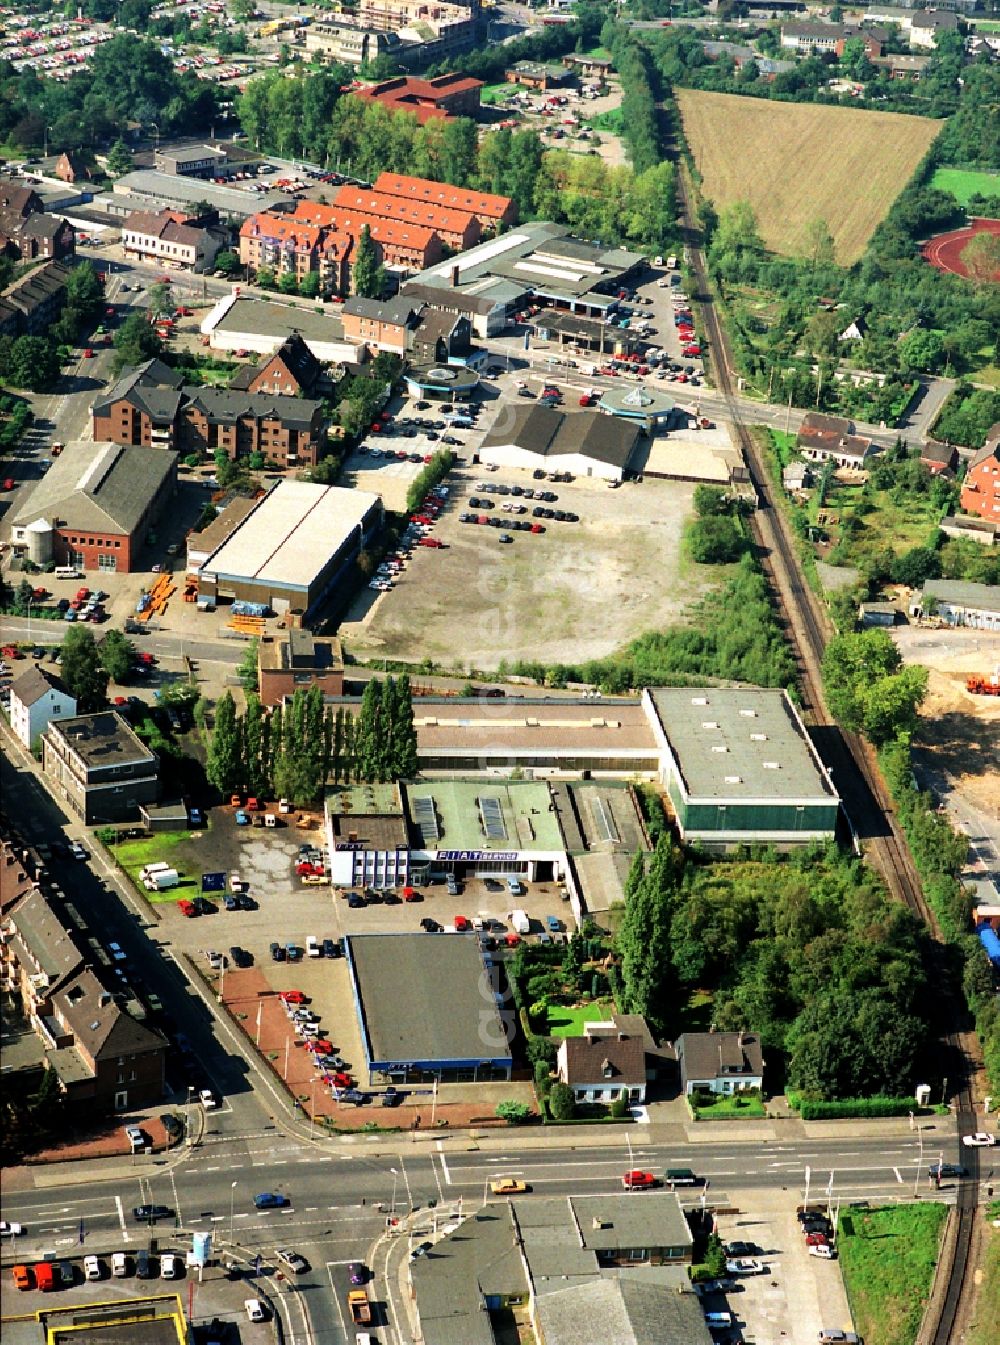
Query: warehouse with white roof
294, 549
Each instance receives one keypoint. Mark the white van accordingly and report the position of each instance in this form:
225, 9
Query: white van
313, 948
150, 869
162, 880
136, 1139
67, 572
255, 1310
718, 1320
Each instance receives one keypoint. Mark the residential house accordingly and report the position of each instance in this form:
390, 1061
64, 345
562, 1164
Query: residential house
829, 438
796, 476
856, 330
719, 1062
606, 1064
37, 297
148, 406
903, 66
488, 317
173, 237
457, 229
72, 167
442, 98
27, 233
401, 246
493, 212
205, 161
36, 698
440, 336
99, 767
959, 603
927, 25
95, 506
980, 530
981, 487
297, 659
381, 325
938, 458
292, 371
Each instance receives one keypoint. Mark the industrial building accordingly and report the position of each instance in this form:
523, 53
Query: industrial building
146, 189
959, 603
95, 506
263, 326
739, 766
411, 1032
538, 437
294, 549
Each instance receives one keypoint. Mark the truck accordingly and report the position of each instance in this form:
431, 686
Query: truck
520, 921
361, 1309
162, 880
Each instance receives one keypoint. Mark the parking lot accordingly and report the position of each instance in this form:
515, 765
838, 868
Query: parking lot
579, 590
795, 1297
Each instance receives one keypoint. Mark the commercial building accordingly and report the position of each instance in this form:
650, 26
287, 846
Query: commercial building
95, 506
99, 767
150, 406
565, 1263
719, 1062
539, 76
441, 382
739, 767
442, 98
141, 1319
368, 836
487, 317
457, 229
201, 161
296, 660
36, 698
959, 603
540, 261
262, 326
407, 32
146, 188
172, 237
981, 487
642, 406
494, 212
412, 1030
536, 437
295, 549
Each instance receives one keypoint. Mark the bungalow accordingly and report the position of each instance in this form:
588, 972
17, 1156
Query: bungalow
719, 1062
609, 1062
829, 438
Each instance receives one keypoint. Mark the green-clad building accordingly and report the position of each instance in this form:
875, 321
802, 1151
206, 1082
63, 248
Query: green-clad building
739, 766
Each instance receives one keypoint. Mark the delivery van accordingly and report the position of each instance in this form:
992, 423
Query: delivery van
150, 869
161, 881
67, 572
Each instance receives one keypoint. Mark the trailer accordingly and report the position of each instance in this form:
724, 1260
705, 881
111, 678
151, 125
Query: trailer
361, 1309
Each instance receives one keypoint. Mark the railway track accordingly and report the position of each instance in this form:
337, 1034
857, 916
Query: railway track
854, 769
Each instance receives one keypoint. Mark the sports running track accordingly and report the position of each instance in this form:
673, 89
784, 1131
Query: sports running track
945, 250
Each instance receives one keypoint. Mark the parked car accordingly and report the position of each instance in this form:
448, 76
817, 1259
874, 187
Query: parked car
745, 1267
639, 1181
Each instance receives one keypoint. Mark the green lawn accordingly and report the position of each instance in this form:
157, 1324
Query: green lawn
887, 1259
965, 183
491, 94
565, 1022
170, 847
899, 524
725, 1107
981, 1331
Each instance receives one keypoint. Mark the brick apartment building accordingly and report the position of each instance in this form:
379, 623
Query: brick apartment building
150, 406
981, 487
27, 232
97, 765
298, 660
493, 212
457, 229
30, 304
441, 98
381, 326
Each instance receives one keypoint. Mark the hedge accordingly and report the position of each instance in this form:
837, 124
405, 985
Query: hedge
436, 470
858, 1106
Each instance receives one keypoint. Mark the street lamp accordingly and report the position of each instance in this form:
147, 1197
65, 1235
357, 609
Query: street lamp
45, 142
190, 1131
232, 1208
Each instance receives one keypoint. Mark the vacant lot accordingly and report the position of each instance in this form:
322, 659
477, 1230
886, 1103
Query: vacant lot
580, 590
795, 162
887, 1257
964, 183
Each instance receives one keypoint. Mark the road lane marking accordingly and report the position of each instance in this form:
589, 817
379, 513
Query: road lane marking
898, 1177
121, 1218
444, 1163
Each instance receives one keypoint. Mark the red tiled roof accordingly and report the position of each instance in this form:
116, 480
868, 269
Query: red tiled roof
353, 221
443, 194
402, 210
423, 98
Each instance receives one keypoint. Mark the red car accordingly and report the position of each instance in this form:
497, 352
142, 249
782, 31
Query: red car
537, 527
343, 1080
292, 997
586, 400
430, 541
375, 427
320, 1046
147, 659
386, 415
461, 923
187, 908
691, 351
816, 1240
638, 1181
88, 354
184, 313
8, 483
163, 280
109, 312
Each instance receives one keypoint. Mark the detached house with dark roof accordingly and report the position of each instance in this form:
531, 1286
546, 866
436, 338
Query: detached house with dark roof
607, 1063
825, 438
291, 371
27, 232
719, 1062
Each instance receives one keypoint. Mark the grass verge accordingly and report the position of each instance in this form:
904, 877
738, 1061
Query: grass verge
964, 183
887, 1258
983, 1330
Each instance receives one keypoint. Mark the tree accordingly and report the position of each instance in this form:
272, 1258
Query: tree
119, 159
562, 1103
867, 688
117, 656
82, 671
819, 247
309, 285
287, 284
716, 541
32, 363
246, 669
228, 263
23, 596
369, 274
224, 767
921, 350
160, 298
981, 257
514, 1113
135, 342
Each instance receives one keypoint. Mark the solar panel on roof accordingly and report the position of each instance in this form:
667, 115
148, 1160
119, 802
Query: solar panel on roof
425, 818
492, 818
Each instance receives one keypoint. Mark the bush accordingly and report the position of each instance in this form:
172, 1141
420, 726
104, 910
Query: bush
562, 1103
619, 1108
436, 470
860, 1106
716, 540
514, 1113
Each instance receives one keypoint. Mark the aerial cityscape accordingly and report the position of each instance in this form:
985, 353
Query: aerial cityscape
499, 672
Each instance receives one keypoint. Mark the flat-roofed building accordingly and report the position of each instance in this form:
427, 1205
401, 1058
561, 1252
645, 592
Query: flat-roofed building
295, 660
739, 766
262, 326
294, 548
410, 1030
99, 767
367, 836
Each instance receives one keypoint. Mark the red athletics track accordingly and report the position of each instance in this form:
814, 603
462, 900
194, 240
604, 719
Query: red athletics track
945, 250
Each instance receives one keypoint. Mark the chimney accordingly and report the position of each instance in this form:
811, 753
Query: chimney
454, 277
